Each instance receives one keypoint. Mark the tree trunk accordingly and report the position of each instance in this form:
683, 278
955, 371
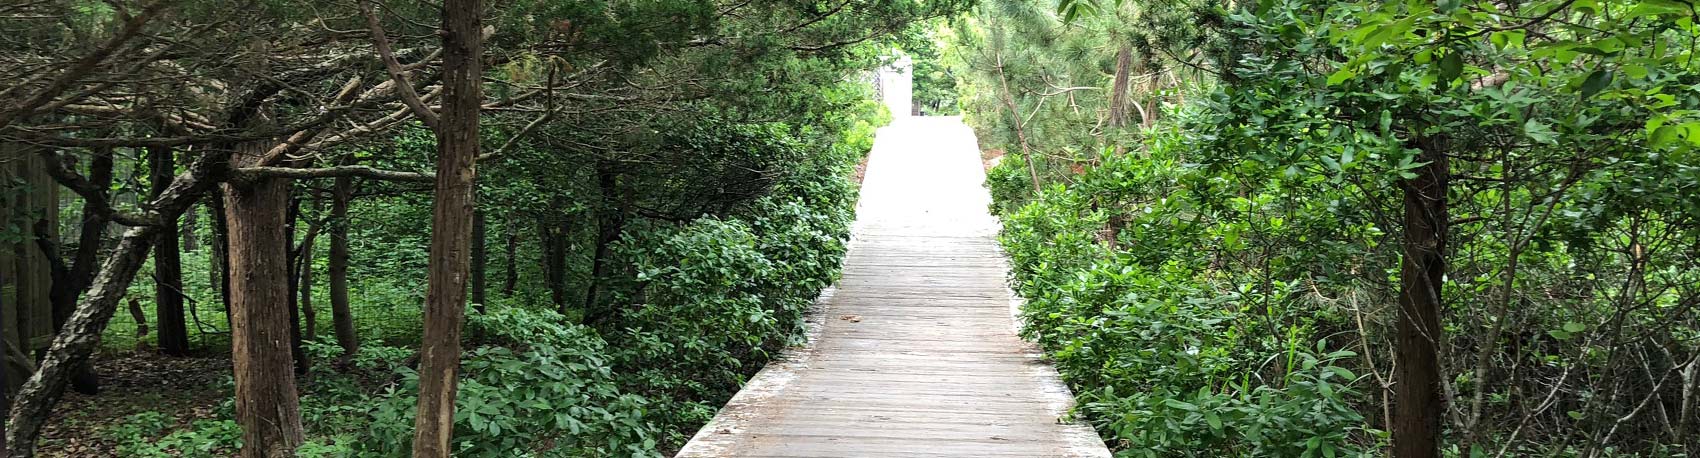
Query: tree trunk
292, 278
510, 275
90, 237
1418, 404
304, 264
1020, 133
1118, 85
173, 334
341, 316
220, 259
89, 240
266, 401
610, 221
479, 259
5, 395
553, 240
191, 243
81, 333
451, 226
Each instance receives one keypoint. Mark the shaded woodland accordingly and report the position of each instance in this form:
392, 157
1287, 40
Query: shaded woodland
358, 228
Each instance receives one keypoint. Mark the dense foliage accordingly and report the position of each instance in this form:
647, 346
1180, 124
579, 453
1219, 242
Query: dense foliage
1226, 280
664, 188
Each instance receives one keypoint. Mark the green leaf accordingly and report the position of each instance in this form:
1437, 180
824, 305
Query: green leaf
1214, 421
1663, 135
1539, 132
1597, 81
1340, 76
1179, 404
1451, 66
1574, 327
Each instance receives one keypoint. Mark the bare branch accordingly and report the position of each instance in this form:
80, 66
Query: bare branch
82, 67
246, 174
404, 89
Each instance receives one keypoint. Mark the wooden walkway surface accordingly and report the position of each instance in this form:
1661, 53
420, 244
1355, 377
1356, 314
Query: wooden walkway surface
914, 353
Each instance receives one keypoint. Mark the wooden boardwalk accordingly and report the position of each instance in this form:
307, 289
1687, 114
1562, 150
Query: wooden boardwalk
914, 353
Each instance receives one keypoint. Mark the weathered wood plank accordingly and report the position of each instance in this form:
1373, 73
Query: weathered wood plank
914, 353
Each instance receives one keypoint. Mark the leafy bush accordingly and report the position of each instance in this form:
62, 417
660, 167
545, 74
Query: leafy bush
543, 388
1170, 356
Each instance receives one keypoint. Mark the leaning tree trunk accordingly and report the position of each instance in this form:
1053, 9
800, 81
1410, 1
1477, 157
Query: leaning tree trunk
173, 335
81, 332
90, 237
341, 316
1418, 404
451, 226
266, 401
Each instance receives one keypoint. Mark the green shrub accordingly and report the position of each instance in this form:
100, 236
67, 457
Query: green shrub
1170, 356
543, 388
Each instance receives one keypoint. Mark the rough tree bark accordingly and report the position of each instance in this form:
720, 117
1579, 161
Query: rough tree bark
89, 239
341, 316
81, 333
191, 220
479, 259
266, 402
1418, 404
83, 380
81, 272
451, 226
1118, 85
173, 334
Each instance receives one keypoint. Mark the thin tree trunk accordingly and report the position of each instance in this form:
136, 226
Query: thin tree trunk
1015, 121
220, 259
510, 275
292, 278
266, 401
5, 396
1418, 404
610, 221
451, 226
304, 264
1118, 85
169, 316
341, 316
552, 238
479, 259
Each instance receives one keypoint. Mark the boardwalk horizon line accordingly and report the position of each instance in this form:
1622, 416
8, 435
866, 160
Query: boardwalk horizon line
914, 353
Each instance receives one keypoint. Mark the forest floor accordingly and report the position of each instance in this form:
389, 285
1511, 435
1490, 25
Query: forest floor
133, 383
